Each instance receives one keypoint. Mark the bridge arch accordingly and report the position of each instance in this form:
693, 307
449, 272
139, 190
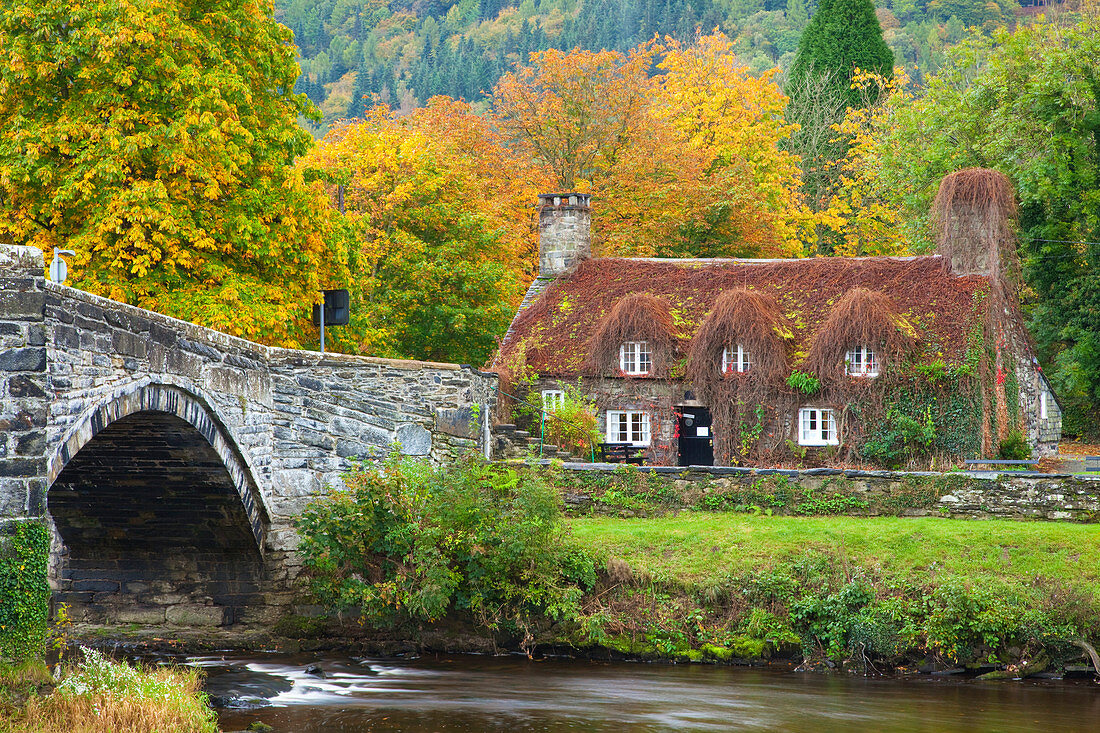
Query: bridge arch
157, 510
186, 403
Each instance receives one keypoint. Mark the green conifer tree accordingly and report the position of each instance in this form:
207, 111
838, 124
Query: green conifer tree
843, 35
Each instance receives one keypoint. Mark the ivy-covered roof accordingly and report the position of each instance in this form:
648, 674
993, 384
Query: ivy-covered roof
552, 334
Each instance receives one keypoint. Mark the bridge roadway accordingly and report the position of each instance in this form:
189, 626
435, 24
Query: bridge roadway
171, 459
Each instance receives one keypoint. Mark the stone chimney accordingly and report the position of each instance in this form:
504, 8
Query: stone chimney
565, 232
974, 213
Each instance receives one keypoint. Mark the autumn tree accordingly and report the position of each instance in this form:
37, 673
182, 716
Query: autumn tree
439, 211
155, 138
735, 119
681, 163
576, 112
843, 38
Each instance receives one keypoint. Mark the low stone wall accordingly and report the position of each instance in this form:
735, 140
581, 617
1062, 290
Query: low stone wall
969, 494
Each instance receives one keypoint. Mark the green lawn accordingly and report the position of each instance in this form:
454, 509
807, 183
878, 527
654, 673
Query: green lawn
703, 547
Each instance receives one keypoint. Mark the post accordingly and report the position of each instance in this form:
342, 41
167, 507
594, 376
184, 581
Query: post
322, 325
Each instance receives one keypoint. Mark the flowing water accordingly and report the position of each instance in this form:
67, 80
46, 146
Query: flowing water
463, 693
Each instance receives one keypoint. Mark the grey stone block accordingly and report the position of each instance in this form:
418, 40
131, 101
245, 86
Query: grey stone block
22, 306
415, 440
22, 385
460, 422
23, 360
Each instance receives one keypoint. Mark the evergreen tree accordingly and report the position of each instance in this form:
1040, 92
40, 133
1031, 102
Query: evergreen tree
842, 35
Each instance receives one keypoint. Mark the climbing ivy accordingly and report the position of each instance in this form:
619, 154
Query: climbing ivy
923, 420
24, 591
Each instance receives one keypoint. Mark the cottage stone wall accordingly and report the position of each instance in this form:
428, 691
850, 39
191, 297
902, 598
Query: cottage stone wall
1042, 433
257, 431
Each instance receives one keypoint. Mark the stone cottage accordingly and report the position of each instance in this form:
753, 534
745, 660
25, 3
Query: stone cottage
895, 361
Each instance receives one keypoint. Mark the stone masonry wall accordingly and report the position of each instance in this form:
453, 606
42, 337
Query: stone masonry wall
971, 494
285, 424
23, 398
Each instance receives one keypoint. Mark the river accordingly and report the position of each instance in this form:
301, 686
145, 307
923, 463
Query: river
516, 695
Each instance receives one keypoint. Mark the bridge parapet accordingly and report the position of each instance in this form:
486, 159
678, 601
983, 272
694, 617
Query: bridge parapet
284, 424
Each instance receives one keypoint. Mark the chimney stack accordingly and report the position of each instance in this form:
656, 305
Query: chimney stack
565, 232
974, 213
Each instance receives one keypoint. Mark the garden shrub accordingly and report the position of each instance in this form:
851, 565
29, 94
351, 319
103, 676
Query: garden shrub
410, 542
572, 425
1014, 447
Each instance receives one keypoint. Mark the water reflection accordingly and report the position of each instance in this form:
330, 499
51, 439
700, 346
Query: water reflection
518, 695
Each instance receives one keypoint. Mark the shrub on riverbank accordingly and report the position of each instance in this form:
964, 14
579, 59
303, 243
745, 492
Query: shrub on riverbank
412, 542
872, 593
99, 695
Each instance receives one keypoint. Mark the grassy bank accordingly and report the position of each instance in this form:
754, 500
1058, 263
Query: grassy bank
703, 548
99, 695
864, 592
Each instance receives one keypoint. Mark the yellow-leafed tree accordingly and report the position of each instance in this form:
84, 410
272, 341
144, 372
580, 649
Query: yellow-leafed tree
156, 138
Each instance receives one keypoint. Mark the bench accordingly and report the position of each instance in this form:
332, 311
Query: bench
622, 453
1092, 463
993, 462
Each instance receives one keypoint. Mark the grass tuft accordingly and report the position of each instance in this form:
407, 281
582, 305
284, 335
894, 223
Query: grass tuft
100, 695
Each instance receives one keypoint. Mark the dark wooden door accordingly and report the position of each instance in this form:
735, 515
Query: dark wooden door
696, 441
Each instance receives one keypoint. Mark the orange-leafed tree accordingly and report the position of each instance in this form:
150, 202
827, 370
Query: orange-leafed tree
735, 120
670, 175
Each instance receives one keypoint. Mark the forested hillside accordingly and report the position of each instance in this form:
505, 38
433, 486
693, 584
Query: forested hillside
406, 51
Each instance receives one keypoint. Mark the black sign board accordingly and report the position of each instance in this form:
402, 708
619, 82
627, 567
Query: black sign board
337, 309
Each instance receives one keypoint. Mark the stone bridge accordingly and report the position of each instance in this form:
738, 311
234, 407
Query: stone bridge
171, 459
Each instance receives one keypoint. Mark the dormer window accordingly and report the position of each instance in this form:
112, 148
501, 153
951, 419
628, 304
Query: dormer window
862, 362
735, 358
634, 358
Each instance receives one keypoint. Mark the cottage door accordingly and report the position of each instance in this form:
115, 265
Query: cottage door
696, 442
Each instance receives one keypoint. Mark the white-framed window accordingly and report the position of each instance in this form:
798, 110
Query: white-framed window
552, 399
862, 362
628, 426
634, 357
817, 426
735, 358
1043, 409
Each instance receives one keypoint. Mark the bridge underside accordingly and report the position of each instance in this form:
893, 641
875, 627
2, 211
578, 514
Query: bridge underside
153, 530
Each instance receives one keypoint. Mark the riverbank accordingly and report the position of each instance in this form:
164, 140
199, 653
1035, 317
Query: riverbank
863, 594
97, 694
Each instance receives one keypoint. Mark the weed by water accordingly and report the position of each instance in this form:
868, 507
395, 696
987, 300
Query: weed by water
100, 695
